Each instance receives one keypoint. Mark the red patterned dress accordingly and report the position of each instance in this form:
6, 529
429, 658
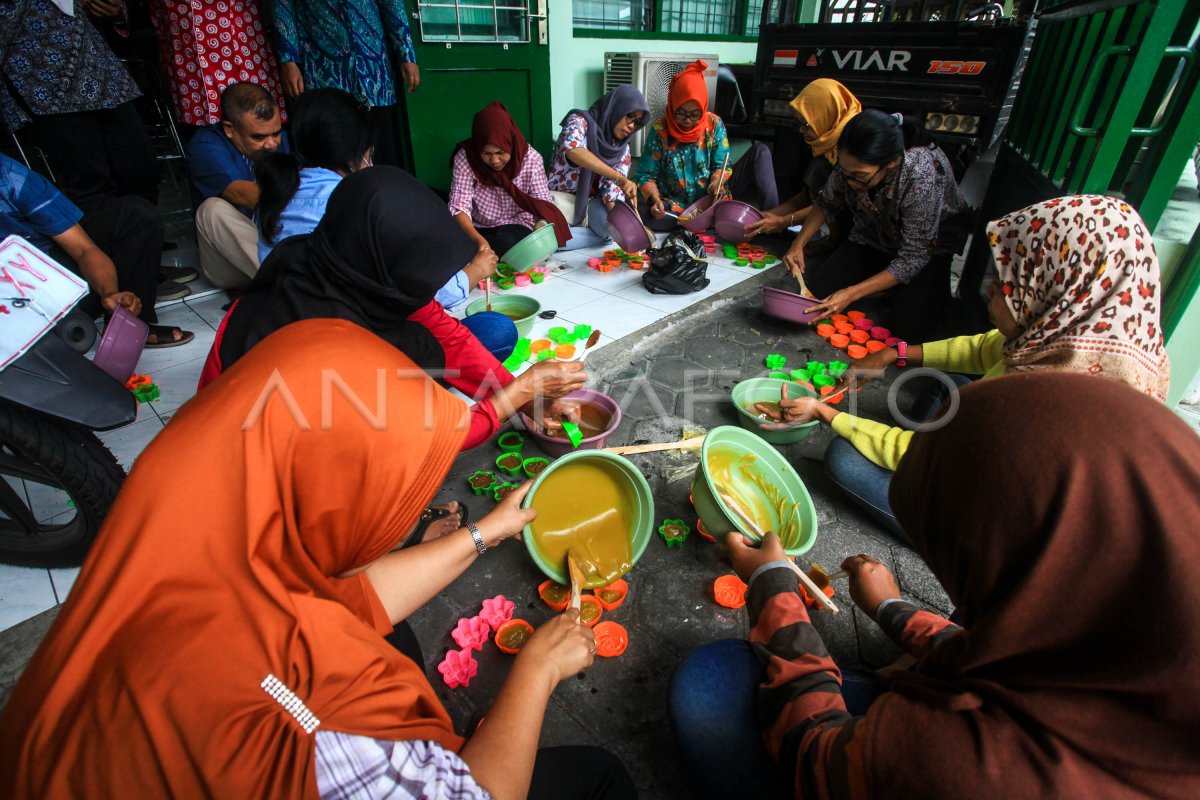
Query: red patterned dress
205, 45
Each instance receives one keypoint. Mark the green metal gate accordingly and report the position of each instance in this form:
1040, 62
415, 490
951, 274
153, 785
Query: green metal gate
1108, 104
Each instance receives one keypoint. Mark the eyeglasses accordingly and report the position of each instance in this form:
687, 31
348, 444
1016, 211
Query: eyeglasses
854, 179
683, 116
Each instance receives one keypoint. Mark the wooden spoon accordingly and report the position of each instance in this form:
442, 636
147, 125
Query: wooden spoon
588, 345
812, 587
487, 287
576, 580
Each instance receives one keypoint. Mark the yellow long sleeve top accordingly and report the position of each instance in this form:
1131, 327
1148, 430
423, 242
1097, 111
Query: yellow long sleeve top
981, 354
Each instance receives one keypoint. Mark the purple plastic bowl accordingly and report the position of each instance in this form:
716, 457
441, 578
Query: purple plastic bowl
625, 227
788, 305
698, 217
732, 218
560, 447
121, 345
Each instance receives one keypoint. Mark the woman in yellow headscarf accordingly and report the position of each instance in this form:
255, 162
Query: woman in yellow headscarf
822, 108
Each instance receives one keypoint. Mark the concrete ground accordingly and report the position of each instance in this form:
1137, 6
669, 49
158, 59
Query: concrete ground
674, 377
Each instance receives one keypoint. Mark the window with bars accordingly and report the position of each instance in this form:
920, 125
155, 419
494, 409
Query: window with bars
473, 20
686, 17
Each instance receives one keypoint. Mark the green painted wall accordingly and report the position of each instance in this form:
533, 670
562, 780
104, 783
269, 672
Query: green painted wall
577, 63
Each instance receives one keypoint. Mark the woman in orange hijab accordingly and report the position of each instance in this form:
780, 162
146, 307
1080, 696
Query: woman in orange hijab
234, 647
822, 109
685, 152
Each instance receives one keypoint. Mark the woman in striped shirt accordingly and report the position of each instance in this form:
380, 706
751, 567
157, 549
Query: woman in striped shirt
1071, 557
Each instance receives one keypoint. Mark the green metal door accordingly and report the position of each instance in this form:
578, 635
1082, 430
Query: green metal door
470, 53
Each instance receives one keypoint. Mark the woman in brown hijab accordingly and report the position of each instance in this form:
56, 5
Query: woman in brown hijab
1070, 551
225, 637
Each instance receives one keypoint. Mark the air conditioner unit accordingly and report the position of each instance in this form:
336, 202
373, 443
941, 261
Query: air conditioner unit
651, 73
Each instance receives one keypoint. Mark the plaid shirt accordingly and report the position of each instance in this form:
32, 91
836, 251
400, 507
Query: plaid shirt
353, 767
491, 206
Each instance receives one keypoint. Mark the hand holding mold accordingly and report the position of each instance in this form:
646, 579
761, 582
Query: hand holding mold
870, 583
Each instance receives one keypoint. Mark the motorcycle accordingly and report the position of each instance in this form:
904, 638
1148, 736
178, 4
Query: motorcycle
57, 479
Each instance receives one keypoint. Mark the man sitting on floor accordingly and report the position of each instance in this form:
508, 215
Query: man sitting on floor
221, 172
114, 247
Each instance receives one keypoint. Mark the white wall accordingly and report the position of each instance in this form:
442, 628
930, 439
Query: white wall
577, 64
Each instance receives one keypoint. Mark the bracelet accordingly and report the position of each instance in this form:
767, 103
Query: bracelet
474, 529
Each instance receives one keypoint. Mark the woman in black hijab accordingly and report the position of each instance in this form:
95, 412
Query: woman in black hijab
379, 255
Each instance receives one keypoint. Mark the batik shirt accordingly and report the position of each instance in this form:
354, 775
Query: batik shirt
682, 172
341, 43
564, 175
906, 213
56, 63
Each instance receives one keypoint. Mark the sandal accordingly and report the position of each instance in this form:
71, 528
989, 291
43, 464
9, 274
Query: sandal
164, 336
428, 517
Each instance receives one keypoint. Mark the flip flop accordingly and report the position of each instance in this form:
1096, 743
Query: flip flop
162, 331
431, 515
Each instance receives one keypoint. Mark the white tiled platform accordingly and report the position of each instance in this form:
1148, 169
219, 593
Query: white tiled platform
613, 302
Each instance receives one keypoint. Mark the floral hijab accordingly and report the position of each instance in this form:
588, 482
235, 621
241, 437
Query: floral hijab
1081, 278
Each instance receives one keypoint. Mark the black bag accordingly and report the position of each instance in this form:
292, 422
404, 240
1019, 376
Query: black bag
677, 266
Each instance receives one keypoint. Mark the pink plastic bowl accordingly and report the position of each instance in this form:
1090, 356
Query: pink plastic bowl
624, 227
560, 447
732, 218
121, 346
698, 217
788, 305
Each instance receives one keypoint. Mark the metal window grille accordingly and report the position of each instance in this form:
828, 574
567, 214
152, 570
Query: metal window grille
614, 15
473, 20
753, 16
714, 17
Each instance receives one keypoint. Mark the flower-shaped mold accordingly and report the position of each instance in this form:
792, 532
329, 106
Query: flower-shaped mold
457, 668
497, 610
470, 634
481, 482
674, 532
775, 361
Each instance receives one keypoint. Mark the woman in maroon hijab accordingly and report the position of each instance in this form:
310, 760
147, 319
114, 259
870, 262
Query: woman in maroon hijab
1067, 541
498, 189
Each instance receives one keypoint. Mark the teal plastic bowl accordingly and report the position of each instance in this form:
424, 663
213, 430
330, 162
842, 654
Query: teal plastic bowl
643, 507
768, 390
532, 250
521, 309
772, 468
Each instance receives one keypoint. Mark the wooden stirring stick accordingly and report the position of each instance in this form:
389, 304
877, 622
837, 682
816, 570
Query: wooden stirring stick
633, 449
807, 581
721, 183
576, 581
487, 287
589, 344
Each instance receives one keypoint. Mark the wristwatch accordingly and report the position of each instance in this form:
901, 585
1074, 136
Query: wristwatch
479, 546
901, 354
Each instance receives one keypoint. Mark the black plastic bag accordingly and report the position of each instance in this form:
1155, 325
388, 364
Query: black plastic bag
677, 266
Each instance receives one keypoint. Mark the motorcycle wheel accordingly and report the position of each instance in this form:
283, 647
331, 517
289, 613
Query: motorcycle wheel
57, 483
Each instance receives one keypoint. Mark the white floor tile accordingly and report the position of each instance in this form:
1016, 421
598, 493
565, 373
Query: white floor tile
610, 282
562, 294
616, 316
722, 277
63, 580
666, 303
24, 592
159, 358
127, 443
209, 308
176, 385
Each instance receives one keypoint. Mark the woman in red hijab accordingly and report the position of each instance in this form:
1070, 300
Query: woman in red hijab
685, 152
235, 647
1072, 558
498, 189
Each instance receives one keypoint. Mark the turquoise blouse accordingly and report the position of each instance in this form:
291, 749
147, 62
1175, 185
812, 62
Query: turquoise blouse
682, 172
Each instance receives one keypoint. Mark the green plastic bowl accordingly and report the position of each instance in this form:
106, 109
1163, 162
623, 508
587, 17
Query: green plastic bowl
643, 508
521, 308
532, 250
768, 390
718, 519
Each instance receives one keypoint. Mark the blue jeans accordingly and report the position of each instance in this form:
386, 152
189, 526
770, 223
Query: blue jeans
596, 231
711, 702
868, 483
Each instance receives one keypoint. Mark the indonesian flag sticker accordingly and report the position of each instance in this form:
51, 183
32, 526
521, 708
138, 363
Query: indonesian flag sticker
786, 58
